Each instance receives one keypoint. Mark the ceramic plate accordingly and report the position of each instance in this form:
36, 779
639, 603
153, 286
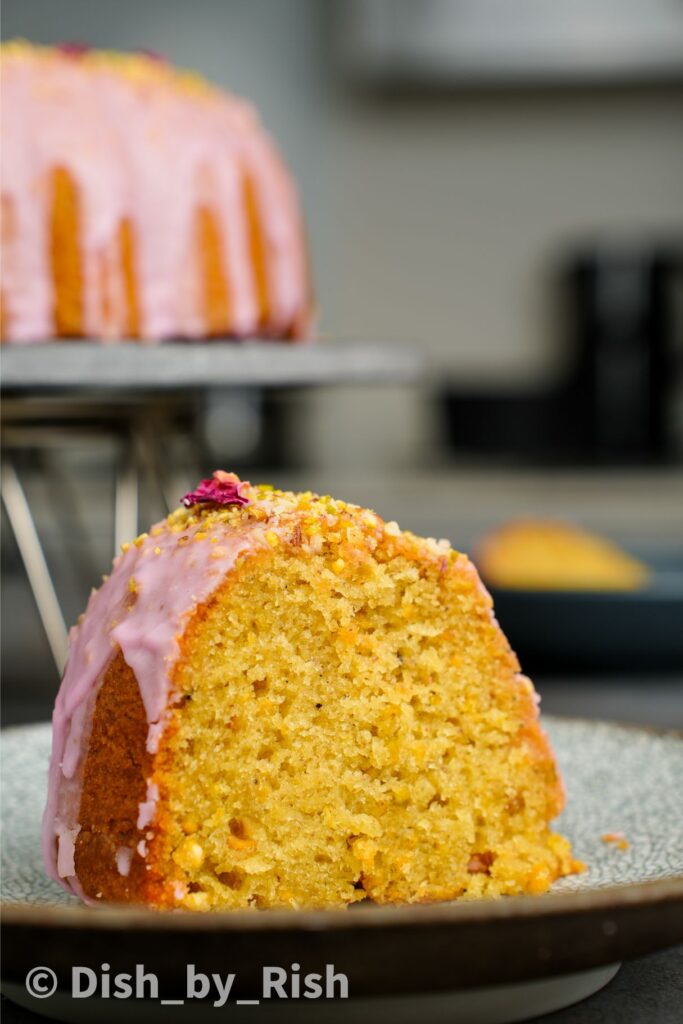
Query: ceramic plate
619, 779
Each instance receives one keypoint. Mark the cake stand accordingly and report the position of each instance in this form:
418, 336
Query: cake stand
58, 393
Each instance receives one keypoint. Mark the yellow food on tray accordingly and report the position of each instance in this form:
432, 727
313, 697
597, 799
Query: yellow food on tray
281, 700
546, 555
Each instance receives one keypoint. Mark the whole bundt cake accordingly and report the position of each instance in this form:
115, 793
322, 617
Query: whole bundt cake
281, 700
141, 202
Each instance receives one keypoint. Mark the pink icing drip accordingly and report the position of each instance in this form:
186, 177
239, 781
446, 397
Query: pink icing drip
66, 846
171, 575
146, 150
147, 807
124, 859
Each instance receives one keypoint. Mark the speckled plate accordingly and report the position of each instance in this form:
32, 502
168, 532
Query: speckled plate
620, 779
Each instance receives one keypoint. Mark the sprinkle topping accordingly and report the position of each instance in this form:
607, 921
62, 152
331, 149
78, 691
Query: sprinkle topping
221, 489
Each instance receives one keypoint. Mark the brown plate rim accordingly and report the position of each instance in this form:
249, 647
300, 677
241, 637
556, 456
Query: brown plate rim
118, 917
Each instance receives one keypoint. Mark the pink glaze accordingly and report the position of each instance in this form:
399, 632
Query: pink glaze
124, 859
142, 609
140, 146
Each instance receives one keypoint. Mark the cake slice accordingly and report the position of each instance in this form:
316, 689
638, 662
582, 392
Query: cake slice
281, 700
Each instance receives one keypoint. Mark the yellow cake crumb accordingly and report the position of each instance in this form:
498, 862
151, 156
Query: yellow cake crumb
616, 839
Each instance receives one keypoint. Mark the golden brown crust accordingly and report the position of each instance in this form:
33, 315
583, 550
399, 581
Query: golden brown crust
214, 281
65, 256
257, 248
115, 776
127, 250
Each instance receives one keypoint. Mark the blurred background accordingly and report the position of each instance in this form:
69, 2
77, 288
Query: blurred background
499, 184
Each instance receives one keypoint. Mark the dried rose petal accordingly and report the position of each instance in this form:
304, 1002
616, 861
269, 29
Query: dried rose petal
222, 489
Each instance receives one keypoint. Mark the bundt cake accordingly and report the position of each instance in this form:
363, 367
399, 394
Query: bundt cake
141, 202
281, 700
551, 555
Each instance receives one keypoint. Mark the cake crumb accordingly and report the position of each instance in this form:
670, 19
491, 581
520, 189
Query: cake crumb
616, 839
